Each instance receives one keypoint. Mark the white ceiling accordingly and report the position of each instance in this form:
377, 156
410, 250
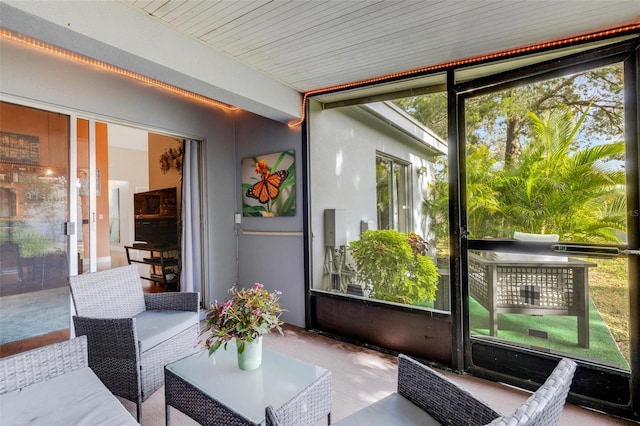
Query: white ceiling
314, 44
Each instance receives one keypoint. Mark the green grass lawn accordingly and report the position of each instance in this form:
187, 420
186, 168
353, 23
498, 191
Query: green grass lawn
561, 330
609, 319
608, 288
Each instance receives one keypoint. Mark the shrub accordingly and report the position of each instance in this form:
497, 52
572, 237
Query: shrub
394, 266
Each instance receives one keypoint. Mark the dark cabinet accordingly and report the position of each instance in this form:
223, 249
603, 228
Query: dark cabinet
164, 263
160, 230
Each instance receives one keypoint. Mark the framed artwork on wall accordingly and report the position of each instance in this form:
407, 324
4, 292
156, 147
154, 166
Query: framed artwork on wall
269, 185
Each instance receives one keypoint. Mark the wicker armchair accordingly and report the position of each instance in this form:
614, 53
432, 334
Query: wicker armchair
545, 406
426, 397
132, 336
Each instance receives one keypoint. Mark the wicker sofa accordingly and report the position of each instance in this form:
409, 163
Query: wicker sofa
53, 385
131, 336
426, 397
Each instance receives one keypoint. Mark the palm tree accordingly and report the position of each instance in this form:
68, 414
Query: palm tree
556, 187
553, 186
484, 208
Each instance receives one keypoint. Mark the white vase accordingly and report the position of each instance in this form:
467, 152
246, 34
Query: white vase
251, 357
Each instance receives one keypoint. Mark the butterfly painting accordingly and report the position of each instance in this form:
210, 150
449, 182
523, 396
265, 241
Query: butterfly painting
268, 185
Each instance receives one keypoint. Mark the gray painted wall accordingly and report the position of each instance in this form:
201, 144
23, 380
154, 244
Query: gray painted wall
277, 261
29, 75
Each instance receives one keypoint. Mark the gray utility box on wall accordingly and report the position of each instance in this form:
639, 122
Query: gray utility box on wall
335, 227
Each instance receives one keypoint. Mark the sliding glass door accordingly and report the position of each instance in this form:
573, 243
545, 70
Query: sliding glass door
549, 194
86, 195
34, 223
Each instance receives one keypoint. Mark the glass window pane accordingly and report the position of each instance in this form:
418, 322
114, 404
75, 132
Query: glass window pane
545, 164
34, 187
384, 179
383, 193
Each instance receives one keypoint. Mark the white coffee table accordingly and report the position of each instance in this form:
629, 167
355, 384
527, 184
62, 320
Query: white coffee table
214, 391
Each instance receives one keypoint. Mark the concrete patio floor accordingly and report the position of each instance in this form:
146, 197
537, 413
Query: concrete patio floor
361, 376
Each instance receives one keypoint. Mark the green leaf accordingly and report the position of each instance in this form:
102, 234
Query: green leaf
214, 347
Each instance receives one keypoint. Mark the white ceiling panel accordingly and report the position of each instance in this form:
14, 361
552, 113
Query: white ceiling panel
260, 55
314, 44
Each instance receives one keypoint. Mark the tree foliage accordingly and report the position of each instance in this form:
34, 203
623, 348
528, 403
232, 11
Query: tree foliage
501, 118
536, 160
554, 186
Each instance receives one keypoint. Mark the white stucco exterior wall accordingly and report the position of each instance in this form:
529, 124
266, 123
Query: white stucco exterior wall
343, 143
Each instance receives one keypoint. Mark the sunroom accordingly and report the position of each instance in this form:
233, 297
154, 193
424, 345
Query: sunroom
471, 115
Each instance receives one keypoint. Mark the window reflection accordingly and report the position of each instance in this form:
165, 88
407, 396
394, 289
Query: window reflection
34, 179
401, 186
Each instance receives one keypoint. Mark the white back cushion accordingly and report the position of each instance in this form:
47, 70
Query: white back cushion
525, 257
524, 236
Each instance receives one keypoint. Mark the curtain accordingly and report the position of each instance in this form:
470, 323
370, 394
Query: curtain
191, 274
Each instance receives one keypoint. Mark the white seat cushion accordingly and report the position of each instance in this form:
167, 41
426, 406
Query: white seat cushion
74, 398
155, 327
393, 410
